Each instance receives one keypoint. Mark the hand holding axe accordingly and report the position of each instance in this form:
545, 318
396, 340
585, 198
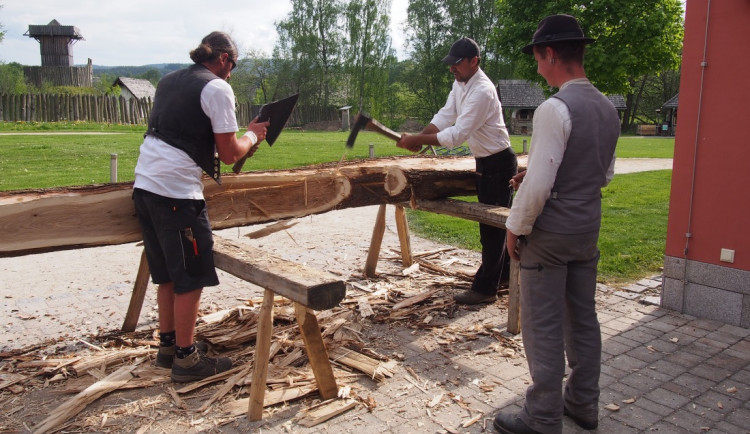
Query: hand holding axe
364, 121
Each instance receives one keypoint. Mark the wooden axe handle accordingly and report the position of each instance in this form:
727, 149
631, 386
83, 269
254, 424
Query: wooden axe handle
377, 127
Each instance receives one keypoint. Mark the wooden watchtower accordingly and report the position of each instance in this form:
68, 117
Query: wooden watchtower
56, 45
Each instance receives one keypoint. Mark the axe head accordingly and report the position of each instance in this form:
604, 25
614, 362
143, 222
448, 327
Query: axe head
360, 122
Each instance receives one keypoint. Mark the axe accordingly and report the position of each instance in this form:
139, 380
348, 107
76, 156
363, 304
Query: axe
277, 113
364, 121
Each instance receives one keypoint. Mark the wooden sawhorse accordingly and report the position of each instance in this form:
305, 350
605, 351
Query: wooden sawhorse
479, 212
307, 287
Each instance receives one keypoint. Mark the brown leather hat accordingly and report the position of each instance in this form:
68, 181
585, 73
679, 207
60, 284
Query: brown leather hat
555, 28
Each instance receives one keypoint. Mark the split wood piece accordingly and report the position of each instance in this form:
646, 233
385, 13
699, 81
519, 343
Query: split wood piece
377, 240
107, 358
325, 411
262, 352
35, 221
226, 387
239, 406
74, 406
514, 298
414, 300
375, 369
316, 351
139, 294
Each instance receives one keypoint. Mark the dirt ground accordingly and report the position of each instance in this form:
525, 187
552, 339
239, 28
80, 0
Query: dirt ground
71, 304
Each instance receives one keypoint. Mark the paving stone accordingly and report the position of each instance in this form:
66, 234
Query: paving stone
635, 288
628, 295
667, 397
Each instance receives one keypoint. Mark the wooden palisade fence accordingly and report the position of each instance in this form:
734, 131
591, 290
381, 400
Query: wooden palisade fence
118, 110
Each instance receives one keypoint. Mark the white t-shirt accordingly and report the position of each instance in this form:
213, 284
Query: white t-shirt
167, 171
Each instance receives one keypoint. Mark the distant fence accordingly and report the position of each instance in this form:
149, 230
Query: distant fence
119, 110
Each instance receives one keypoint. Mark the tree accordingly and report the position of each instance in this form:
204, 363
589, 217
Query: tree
2, 29
634, 39
12, 80
370, 53
307, 55
153, 75
428, 41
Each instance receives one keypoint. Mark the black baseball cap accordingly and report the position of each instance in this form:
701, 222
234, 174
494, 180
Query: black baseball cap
555, 28
461, 49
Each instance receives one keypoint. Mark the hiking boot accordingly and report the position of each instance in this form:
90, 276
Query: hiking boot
197, 367
165, 356
473, 297
583, 423
507, 423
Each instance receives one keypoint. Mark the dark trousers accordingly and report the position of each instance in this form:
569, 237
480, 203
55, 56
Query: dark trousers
492, 180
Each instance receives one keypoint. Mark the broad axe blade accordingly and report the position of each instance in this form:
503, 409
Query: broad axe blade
277, 113
364, 121
360, 122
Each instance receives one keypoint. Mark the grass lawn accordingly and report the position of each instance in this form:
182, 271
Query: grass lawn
634, 205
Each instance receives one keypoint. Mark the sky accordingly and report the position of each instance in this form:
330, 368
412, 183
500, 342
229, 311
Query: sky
143, 32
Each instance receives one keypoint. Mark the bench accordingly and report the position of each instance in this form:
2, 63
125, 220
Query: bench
308, 288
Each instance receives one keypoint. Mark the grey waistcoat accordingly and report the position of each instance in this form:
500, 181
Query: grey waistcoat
575, 204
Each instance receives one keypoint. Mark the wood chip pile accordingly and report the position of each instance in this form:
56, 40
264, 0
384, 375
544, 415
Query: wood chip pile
108, 382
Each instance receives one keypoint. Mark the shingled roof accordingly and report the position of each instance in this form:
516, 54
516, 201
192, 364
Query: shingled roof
139, 87
53, 29
672, 103
522, 94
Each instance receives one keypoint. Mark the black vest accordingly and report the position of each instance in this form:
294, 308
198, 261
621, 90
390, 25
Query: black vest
178, 119
575, 204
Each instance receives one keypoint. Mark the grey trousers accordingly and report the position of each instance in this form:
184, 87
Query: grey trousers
558, 319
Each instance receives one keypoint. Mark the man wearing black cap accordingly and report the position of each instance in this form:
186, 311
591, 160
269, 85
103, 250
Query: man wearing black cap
473, 114
553, 229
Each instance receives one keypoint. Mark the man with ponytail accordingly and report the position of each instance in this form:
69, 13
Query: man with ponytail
191, 130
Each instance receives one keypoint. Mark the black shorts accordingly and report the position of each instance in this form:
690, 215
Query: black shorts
178, 240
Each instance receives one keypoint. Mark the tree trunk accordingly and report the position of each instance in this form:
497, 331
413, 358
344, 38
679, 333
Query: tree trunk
67, 218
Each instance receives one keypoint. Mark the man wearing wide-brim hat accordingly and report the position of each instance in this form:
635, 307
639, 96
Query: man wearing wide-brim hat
553, 229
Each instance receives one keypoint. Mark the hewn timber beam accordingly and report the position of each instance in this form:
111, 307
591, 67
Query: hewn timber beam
310, 287
479, 212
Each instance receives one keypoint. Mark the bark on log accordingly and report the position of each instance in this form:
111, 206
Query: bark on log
67, 218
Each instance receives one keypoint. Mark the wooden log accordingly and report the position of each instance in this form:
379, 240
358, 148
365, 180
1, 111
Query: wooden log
488, 214
64, 218
309, 287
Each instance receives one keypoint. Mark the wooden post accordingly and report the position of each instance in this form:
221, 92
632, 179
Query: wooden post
139, 294
377, 240
402, 226
514, 298
316, 351
262, 352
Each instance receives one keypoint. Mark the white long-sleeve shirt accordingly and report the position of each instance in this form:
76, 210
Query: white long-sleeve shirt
473, 114
552, 126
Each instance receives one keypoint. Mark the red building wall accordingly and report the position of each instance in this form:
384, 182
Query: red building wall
710, 196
